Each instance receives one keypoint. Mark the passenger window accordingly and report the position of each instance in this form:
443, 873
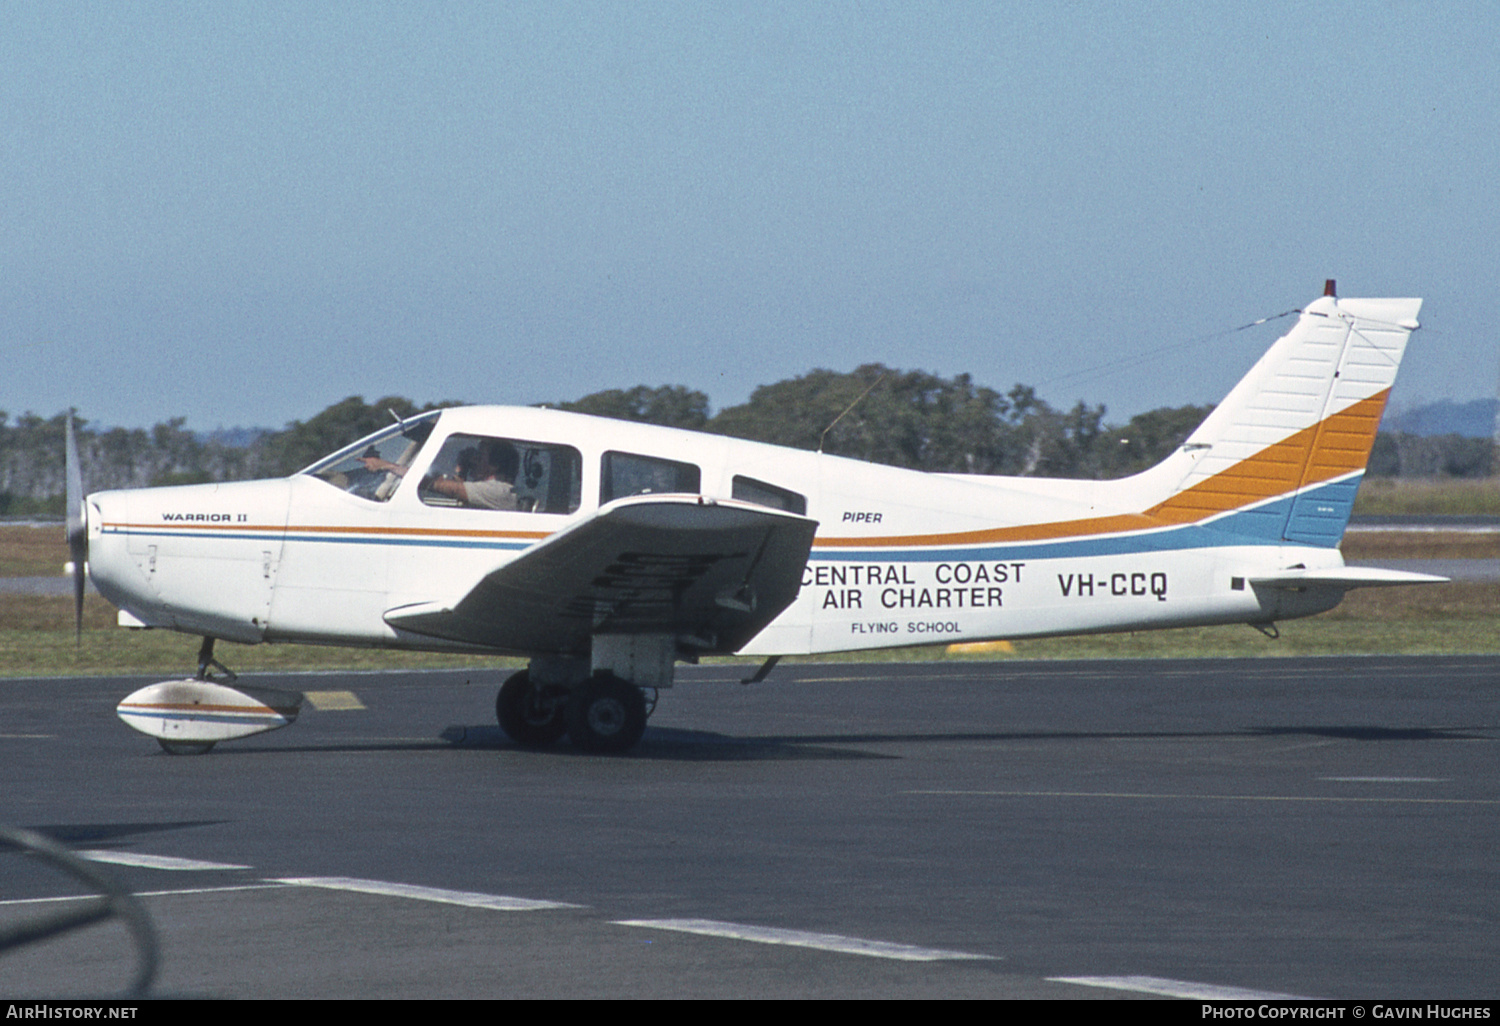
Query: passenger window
480, 472
750, 490
628, 474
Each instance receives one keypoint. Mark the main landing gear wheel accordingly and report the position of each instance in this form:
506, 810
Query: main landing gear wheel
607, 714
529, 719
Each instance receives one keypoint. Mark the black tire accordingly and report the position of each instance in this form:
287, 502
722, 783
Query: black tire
606, 715
184, 747
526, 721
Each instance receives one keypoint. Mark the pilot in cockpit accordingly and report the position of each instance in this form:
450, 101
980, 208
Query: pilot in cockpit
484, 476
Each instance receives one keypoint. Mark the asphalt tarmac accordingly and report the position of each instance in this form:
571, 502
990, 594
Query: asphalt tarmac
1320, 828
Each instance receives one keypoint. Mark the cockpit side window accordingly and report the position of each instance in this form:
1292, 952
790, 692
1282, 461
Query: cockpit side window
484, 472
373, 467
626, 473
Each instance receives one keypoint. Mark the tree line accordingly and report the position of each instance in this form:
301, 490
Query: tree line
877, 413
951, 425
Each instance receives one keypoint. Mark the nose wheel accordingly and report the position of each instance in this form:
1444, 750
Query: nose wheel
185, 747
207, 664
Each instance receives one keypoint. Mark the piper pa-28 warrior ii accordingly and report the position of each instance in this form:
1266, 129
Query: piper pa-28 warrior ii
606, 551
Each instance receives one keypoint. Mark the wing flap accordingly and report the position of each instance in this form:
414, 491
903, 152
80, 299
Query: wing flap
713, 573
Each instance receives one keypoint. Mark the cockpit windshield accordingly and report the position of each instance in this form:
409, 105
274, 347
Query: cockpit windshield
373, 466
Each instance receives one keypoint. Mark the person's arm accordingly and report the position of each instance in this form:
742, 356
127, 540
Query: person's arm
376, 464
449, 486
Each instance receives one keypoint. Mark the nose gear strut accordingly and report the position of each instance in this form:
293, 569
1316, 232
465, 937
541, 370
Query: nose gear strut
207, 663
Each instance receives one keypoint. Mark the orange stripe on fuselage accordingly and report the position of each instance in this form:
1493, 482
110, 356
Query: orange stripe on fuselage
1331, 448
258, 710
419, 532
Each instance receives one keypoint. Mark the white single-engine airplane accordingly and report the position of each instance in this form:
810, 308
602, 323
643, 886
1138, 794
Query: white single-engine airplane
608, 551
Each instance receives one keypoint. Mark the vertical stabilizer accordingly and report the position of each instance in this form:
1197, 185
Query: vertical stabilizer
1282, 456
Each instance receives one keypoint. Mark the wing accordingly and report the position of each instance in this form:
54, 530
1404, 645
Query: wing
713, 573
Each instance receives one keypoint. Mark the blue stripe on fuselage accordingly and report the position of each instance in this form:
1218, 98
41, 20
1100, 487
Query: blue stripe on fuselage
1256, 525
447, 543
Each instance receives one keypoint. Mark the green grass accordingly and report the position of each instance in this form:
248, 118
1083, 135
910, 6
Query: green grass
1421, 545
1441, 497
32, 551
37, 640
1449, 619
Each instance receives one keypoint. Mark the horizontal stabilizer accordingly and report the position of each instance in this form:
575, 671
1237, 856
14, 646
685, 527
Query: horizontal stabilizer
1344, 577
712, 573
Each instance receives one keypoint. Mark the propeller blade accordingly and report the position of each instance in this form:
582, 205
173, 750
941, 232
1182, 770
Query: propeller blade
78, 528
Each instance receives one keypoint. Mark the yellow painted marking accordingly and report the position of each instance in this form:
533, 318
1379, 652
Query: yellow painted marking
980, 647
326, 701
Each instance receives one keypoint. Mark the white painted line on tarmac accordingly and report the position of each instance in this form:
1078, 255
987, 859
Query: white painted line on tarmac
1217, 797
143, 861
1387, 780
270, 885
469, 899
803, 939
1176, 988
46, 901
149, 894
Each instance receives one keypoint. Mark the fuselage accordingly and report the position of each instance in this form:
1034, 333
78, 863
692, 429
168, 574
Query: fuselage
899, 558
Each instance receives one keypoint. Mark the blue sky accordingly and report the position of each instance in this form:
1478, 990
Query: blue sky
241, 213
